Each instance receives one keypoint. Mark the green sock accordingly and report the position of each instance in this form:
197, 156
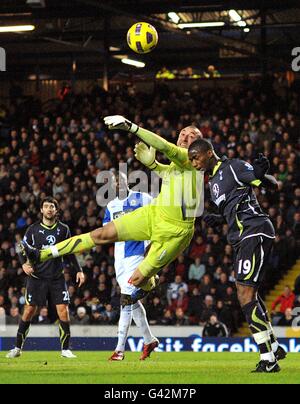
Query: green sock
73, 245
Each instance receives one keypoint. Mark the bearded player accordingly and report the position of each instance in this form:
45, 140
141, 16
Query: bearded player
46, 280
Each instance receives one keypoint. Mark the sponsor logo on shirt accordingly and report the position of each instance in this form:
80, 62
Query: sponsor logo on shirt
51, 240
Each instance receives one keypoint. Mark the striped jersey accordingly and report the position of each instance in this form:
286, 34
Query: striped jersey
117, 208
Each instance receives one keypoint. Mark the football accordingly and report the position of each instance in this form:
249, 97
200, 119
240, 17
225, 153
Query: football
142, 37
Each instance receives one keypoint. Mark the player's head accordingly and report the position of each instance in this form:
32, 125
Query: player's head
213, 319
49, 208
188, 135
202, 155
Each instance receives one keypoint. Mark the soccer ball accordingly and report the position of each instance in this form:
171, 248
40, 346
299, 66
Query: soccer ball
142, 37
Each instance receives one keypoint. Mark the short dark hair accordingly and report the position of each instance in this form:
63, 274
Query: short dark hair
201, 146
49, 199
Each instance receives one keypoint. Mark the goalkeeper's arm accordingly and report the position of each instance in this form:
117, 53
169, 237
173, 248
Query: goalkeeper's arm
147, 156
173, 152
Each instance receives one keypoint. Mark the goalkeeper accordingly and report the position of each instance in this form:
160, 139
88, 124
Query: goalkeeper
168, 222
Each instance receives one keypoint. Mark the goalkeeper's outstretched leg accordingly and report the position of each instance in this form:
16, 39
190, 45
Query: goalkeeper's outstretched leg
82, 243
74, 245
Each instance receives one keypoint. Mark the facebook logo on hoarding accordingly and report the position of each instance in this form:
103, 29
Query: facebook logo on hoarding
2, 60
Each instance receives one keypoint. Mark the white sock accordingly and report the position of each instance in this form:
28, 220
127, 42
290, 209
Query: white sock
140, 319
123, 328
263, 337
268, 357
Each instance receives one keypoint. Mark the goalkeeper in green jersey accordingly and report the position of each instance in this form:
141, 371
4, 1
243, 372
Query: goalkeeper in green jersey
168, 222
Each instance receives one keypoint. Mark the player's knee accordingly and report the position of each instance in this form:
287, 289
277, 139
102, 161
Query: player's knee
98, 235
246, 294
29, 312
105, 234
63, 312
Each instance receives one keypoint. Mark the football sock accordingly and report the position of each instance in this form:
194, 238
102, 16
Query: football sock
73, 245
22, 333
140, 319
260, 329
123, 328
64, 335
273, 338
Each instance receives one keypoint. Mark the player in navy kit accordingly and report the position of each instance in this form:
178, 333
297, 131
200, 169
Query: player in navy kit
250, 232
47, 280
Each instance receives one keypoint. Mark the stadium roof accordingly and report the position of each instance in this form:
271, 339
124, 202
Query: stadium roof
86, 35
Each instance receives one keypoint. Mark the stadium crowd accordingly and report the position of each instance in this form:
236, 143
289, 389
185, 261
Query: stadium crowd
60, 150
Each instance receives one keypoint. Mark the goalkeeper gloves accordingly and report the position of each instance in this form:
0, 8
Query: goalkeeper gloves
213, 220
261, 166
146, 155
119, 122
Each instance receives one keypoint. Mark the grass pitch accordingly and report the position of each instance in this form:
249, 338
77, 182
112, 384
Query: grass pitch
173, 368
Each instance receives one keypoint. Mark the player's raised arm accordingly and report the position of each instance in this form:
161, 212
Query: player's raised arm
174, 153
255, 174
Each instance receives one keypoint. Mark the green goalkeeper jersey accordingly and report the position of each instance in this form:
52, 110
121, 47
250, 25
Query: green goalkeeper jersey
182, 193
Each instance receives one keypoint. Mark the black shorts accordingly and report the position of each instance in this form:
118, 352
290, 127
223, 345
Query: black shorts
251, 258
40, 291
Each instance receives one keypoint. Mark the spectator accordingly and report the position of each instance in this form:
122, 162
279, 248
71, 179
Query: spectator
168, 318
181, 302
214, 328
14, 316
226, 316
155, 311
43, 317
173, 291
197, 248
180, 318
286, 301
81, 317
196, 271
205, 286
181, 266
110, 315
287, 319
207, 310
194, 308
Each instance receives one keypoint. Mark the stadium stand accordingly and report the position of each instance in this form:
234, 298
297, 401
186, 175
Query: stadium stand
60, 151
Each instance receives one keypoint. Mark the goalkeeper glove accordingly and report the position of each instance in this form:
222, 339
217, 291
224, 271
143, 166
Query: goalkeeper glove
261, 166
119, 122
145, 154
213, 220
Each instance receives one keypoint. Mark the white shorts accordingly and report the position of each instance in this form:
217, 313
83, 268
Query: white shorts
125, 270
